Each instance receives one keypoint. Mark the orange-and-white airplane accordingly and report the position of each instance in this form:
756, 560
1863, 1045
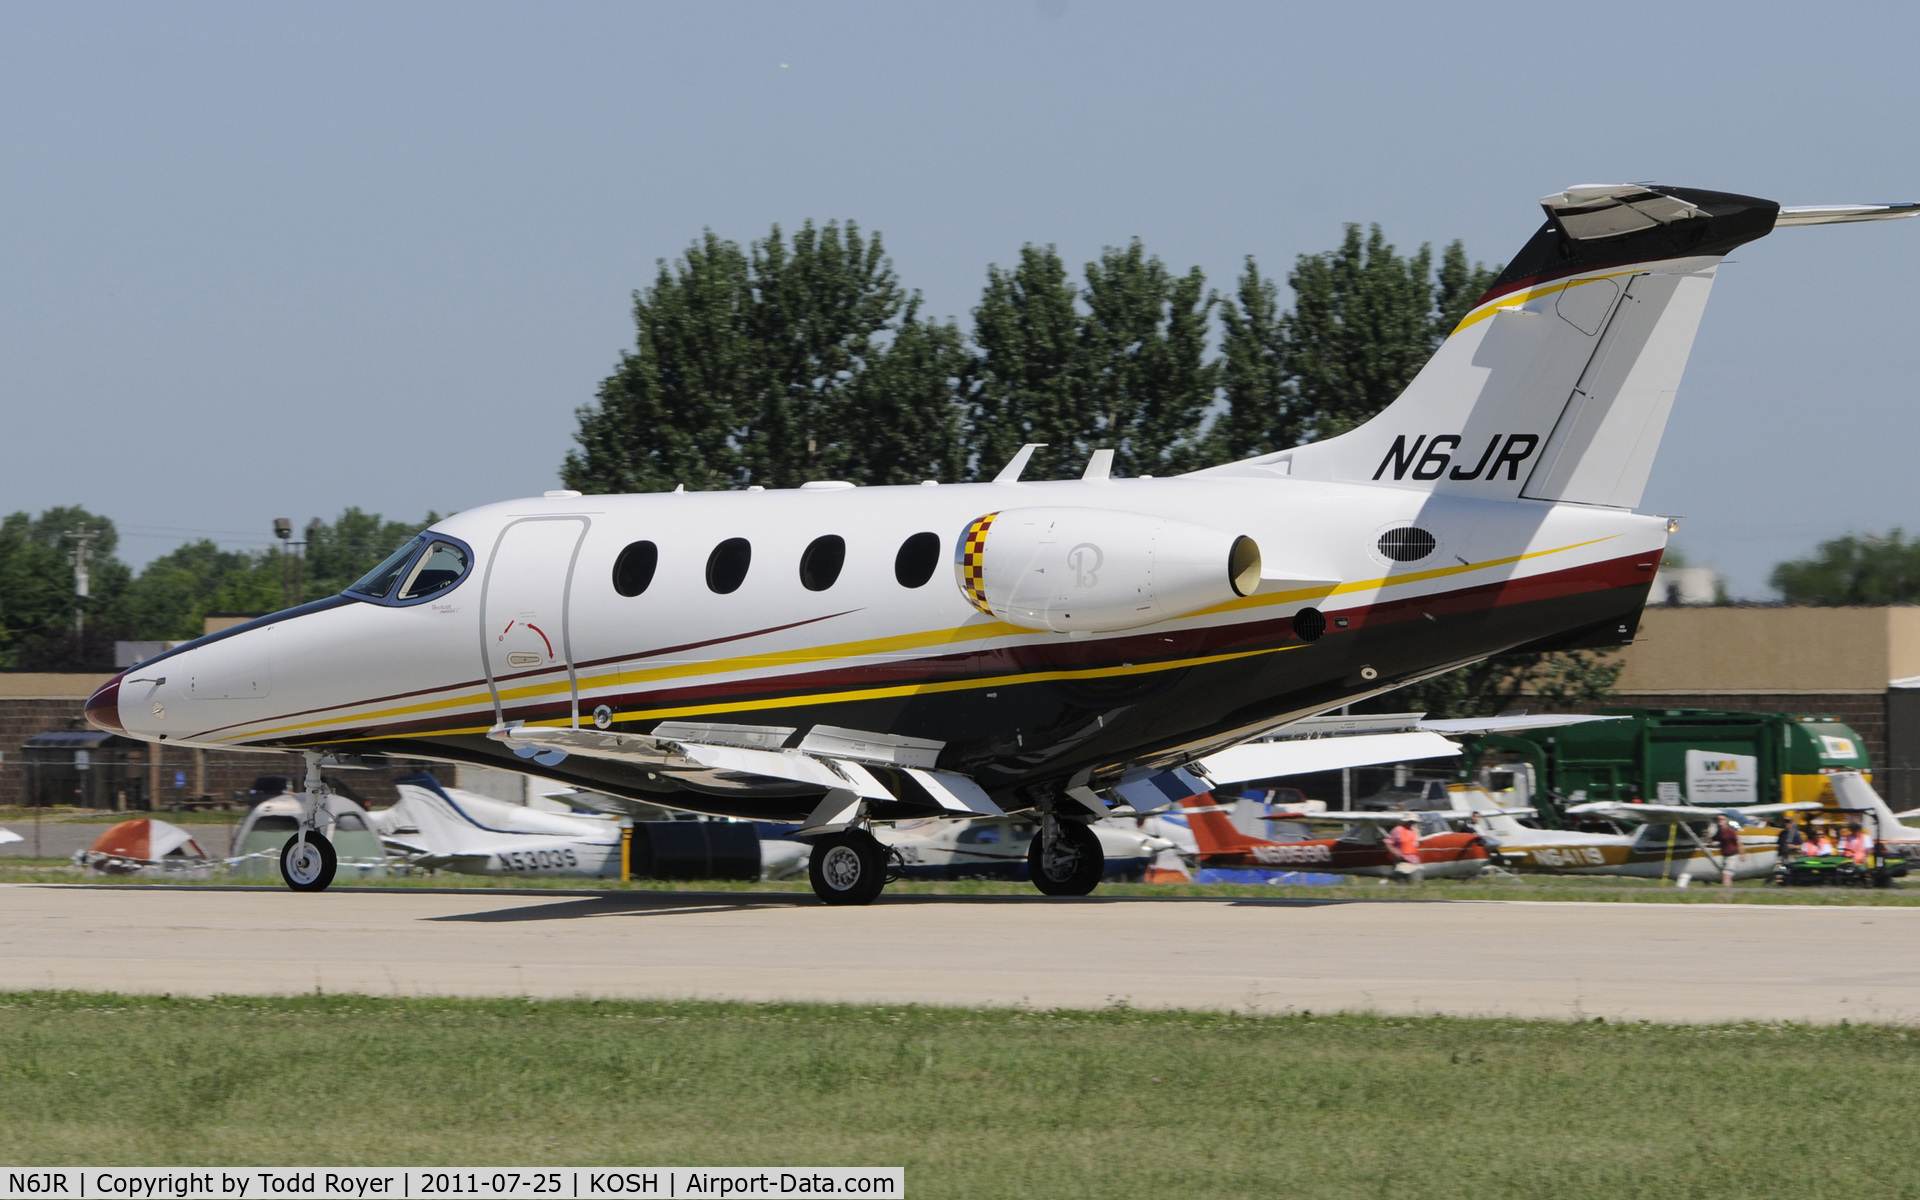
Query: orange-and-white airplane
837, 654
1360, 849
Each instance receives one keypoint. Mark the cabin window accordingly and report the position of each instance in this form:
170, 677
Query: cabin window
633, 570
727, 565
919, 557
276, 825
1409, 543
443, 565
821, 563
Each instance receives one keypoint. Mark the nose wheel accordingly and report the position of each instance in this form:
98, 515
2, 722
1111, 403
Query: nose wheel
308, 866
1070, 863
848, 868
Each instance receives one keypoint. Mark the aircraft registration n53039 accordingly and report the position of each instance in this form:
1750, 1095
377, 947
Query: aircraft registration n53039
839, 655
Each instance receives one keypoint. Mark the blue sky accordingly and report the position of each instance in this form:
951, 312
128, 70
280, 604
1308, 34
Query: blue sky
272, 260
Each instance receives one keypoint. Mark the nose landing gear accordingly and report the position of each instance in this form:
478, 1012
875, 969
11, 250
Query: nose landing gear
307, 865
308, 860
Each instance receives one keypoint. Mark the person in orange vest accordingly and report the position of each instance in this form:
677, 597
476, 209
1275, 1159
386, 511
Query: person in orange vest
1856, 843
1404, 844
1727, 834
1818, 844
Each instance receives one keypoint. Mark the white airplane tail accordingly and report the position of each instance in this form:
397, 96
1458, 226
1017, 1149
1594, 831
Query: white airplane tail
1852, 790
444, 829
1557, 385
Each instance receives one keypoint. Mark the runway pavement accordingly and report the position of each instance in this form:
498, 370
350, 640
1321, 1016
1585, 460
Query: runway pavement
1660, 962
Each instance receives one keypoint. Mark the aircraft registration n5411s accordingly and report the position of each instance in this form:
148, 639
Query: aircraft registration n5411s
837, 655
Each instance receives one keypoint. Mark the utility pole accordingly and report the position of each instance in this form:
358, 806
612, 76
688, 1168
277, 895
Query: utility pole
82, 585
293, 559
283, 529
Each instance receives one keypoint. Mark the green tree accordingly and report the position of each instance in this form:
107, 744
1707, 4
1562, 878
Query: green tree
1027, 328
341, 552
174, 593
672, 410
750, 367
1854, 569
1121, 364
1263, 413
1365, 320
37, 600
906, 404
1143, 355
1553, 681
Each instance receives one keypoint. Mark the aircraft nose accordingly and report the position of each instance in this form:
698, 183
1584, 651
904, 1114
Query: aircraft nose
103, 707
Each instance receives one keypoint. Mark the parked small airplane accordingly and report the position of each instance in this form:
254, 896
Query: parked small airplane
789, 656
1360, 849
1673, 841
999, 847
449, 829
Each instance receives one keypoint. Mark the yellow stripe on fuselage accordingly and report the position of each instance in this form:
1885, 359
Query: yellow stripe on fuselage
889, 692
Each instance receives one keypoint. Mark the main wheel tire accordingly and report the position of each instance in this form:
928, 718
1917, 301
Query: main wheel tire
1072, 866
848, 868
308, 866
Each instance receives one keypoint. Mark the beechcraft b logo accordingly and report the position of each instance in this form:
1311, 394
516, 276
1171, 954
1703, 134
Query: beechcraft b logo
1513, 449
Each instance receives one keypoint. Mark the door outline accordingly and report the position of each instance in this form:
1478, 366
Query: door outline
566, 611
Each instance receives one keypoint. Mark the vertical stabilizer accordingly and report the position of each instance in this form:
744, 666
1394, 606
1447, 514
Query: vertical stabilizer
1557, 385
1213, 831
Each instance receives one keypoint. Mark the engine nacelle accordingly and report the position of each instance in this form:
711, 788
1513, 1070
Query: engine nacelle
1082, 570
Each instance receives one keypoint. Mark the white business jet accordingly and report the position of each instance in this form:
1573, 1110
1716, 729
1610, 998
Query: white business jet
839, 655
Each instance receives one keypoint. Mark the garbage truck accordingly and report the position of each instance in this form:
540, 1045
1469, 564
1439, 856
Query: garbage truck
1668, 756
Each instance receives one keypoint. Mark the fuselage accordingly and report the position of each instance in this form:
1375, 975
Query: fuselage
538, 630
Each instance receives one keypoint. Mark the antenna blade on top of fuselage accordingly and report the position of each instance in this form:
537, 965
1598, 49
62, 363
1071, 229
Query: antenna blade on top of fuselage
1841, 214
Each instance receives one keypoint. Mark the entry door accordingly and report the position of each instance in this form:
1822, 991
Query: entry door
523, 619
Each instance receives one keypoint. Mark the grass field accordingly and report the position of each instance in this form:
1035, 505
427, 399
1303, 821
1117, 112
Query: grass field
974, 1103
1592, 889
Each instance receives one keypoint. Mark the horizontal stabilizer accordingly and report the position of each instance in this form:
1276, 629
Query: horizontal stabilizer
1841, 214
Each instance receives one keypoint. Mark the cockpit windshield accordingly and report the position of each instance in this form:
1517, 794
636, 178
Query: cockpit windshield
378, 583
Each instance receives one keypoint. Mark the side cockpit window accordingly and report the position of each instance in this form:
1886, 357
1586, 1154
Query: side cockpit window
443, 565
421, 569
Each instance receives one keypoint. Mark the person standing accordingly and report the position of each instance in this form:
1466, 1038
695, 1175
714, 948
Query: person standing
1727, 834
1404, 844
1791, 840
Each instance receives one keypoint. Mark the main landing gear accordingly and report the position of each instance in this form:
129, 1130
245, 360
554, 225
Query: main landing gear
308, 860
848, 867
1065, 858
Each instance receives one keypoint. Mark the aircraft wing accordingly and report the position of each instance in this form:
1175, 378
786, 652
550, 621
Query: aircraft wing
8, 835
1265, 760
1338, 817
832, 773
1469, 725
1656, 814
1768, 810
